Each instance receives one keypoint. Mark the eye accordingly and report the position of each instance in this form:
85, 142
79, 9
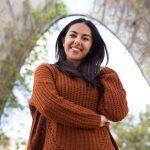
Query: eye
72, 35
86, 39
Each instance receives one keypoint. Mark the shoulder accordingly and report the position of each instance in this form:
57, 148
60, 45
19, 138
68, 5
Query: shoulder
45, 68
107, 70
45, 71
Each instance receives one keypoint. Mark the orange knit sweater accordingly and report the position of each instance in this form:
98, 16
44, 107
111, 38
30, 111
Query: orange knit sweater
66, 113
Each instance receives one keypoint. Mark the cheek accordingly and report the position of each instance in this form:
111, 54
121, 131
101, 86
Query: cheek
89, 46
66, 43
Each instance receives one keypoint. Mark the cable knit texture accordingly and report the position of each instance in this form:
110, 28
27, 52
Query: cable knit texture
66, 113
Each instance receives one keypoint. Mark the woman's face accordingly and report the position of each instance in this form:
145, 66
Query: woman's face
77, 43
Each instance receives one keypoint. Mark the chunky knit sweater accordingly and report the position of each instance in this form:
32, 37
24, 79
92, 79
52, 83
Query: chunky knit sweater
66, 112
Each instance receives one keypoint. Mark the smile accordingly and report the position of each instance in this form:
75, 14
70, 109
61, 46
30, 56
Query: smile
75, 49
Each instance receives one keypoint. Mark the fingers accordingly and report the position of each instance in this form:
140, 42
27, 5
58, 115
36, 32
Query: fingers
104, 121
105, 124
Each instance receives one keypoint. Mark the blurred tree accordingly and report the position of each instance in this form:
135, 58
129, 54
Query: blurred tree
22, 23
4, 140
129, 20
134, 134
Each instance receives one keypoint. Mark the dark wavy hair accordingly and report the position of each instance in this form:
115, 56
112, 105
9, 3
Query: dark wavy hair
89, 67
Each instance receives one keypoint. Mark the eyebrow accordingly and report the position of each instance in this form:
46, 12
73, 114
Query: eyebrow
83, 34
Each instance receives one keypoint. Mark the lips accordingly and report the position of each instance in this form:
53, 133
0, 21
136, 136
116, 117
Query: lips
75, 49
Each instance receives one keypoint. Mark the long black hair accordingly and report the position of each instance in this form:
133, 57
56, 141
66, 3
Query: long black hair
89, 67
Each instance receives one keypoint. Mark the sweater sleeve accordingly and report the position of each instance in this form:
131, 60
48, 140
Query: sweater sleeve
113, 103
47, 101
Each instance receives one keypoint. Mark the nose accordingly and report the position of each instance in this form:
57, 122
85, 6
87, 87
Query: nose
77, 41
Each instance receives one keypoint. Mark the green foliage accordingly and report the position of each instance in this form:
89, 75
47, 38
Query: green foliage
61, 8
4, 139
37, 15
138, 5
49, 13
21, 46
134, 135
20, 143
5, 142
12, 102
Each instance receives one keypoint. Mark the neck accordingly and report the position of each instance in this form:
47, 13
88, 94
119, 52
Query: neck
75, 64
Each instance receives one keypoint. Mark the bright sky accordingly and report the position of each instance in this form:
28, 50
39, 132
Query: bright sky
138, 91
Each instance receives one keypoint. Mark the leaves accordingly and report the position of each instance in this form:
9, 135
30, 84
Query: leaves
17, 46
129, 20
134, 134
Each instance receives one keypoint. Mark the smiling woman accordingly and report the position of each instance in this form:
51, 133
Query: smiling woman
77, 43
74, 100
120, 60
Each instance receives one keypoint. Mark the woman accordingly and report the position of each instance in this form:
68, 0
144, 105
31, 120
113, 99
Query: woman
74, 99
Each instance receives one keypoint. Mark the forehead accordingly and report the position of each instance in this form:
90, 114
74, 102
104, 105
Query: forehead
80, 28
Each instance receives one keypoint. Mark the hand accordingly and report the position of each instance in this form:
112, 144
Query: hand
104, 121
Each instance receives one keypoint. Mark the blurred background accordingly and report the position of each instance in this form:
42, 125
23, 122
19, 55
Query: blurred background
28, 31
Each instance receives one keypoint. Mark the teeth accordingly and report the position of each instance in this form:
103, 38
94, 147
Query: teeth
75, 49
